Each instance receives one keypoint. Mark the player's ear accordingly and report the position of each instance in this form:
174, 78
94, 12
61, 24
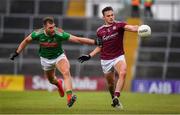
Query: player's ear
103, 17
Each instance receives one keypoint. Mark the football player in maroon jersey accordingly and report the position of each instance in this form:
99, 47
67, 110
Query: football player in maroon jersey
112, 53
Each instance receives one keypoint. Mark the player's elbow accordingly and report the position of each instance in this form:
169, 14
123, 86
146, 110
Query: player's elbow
75, 39
131, 28
27, 41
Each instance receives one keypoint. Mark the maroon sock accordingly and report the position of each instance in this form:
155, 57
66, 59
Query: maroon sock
117, 94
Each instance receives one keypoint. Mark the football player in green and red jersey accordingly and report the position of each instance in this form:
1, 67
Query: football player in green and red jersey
52, 55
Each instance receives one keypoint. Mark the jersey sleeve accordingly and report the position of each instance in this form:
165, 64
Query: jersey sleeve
34, 35
63, 36
98, 33
121, 24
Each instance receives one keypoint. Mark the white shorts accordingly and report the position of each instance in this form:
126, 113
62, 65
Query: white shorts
49, 64
107, 65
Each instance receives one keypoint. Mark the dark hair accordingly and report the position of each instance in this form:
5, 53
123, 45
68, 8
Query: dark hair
107, 9
49, 20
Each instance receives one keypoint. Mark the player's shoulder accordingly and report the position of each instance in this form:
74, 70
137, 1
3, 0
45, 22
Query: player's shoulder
59, 30
120, 22
37, 32
100, 28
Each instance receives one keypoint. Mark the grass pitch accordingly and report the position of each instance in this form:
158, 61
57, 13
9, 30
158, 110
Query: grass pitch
43, 102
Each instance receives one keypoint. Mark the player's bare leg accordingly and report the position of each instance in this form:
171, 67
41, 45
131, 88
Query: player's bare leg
50, 74
120, 67
110, 78
64, 67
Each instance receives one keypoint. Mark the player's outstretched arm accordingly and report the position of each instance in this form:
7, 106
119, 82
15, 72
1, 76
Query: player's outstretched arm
22, 45
131, 28
83, 58
83, 40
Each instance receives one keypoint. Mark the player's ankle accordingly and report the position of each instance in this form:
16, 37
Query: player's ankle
54, 81
117, 94
112, 96
69, 94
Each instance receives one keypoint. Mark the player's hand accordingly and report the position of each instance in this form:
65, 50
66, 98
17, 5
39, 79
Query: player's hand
13, 55
98, 42
83, 58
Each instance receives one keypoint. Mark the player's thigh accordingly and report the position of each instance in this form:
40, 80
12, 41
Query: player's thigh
63, 66
121, 67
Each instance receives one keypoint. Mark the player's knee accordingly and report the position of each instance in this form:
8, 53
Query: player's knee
65, 72
123, 73
111, 84
110, 81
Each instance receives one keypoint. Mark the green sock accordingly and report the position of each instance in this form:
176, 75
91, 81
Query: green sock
69, 94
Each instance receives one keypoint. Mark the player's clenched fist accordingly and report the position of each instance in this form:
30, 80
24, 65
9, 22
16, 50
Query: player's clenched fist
83, 58
13, 55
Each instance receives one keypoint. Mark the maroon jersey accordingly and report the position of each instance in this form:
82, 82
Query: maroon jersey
112, 37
